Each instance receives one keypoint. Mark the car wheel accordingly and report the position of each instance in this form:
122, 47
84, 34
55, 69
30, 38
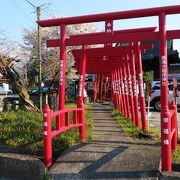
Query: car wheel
157, 104
9, 93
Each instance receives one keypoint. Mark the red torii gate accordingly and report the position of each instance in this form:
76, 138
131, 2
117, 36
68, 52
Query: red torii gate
166, 132
115, 56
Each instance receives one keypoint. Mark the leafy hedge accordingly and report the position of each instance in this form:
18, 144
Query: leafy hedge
25, 129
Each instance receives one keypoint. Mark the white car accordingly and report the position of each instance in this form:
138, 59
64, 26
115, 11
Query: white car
155, 96
5, 91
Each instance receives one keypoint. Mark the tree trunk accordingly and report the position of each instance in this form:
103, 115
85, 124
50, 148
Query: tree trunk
7, 70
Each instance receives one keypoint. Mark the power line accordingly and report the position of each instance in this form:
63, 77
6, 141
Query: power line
22, 11
31, 4
35, 7
45, 6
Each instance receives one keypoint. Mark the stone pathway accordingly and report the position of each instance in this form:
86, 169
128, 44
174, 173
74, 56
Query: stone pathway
111, 155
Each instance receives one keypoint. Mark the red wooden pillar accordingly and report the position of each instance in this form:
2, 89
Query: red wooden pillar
95, 88
103, 85
113, 87
135, 96
62, 78
98, 84
123, 93
174, 126
115, 91
130, 88
126, 89
81, 95
110, 87
106, 88
165, 115
62, 81
108, 30
47, 136
141, 89
117, 95
119, 91
100, 87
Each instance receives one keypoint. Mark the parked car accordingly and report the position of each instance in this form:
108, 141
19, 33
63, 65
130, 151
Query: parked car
5, 91
44, 90
155, 96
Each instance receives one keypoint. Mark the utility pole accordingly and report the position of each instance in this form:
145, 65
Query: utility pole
39, 42
38, 11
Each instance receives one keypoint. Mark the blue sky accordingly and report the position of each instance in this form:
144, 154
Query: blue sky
17, 14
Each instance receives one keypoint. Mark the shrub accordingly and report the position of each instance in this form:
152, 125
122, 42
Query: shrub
25, 129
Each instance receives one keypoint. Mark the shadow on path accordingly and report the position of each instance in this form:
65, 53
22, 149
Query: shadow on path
110, 155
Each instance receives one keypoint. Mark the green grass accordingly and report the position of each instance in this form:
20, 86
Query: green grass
176, 155
25, 129
89, 119
129, 128
127, 125
156, 132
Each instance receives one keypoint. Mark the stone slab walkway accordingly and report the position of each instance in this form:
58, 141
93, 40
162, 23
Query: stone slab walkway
111, 154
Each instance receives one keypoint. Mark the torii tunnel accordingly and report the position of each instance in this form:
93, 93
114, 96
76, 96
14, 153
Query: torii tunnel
121, 66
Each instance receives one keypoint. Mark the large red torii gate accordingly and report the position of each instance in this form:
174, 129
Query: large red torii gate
162, 35
129, 14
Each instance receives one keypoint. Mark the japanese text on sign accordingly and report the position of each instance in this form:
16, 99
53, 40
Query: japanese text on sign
61, 72
164, 73
80, 85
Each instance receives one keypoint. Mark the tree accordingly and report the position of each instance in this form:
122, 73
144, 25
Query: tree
8, 70
50, 56
147, 80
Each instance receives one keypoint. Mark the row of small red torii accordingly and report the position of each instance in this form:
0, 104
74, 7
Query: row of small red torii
120, 65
